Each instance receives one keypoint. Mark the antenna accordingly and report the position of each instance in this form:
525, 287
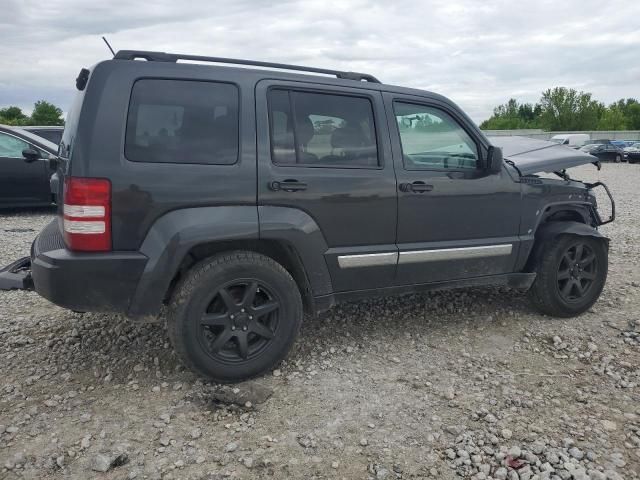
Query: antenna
112, 52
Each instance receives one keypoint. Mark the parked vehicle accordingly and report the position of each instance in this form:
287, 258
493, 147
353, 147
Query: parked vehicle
619, 143
24, 184
51, 133
632, 153
573, 140
605, 151
242, 197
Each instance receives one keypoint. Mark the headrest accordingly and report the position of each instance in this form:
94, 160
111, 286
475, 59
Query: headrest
304, 130
347, 137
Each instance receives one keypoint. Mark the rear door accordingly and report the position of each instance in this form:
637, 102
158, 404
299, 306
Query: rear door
324, 150
455, 220
21, 183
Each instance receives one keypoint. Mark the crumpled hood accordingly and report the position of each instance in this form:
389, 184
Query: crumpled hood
536, 156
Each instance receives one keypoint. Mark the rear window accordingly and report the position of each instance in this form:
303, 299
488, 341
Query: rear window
180, 121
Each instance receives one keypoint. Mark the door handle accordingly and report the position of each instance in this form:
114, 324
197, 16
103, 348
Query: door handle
289, 185
415, 187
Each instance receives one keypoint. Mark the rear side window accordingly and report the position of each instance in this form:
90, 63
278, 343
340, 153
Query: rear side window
322, 130
178, 121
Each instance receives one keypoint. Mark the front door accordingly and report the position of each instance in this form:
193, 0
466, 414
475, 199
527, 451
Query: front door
455, 220
324, 151
21, 183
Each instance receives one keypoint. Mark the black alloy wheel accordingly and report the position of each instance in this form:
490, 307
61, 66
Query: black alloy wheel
577, 272
234, 315
571, 271
240, 321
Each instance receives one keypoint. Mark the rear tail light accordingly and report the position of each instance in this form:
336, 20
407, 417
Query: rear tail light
87, 214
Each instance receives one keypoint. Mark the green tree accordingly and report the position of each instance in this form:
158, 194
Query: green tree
12, 116
513, 115
568, 109
45, 113
633, 116
613, 118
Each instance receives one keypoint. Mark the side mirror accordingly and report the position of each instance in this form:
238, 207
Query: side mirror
30, 155
494, 160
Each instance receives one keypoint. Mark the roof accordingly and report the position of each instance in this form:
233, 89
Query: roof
27, 136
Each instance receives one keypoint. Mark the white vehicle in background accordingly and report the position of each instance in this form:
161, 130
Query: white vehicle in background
573, 140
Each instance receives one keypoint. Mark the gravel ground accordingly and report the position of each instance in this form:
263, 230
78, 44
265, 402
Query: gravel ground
465, 384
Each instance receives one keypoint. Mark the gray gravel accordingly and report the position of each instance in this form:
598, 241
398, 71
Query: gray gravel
465, 384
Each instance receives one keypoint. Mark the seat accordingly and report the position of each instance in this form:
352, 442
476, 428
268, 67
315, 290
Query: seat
304, 134
356, 148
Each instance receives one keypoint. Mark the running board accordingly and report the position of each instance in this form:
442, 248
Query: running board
17, 275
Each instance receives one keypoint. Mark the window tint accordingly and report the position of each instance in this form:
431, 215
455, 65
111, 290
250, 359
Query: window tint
11, 147
319, 129
433, 140
175, 121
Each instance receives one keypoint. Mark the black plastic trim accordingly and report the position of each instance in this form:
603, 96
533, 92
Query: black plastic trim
520, 281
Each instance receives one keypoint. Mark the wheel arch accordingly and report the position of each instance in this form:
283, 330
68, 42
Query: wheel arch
280, 251
556, 226
182, 237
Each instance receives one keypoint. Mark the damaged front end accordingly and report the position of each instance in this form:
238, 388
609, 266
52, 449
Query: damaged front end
529, 157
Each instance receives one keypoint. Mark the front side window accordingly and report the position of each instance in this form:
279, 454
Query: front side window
178, 121
432, 140
323, 130
11, 147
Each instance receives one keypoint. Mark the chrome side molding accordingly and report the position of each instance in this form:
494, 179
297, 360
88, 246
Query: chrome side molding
368, 260
420, 256
463, 253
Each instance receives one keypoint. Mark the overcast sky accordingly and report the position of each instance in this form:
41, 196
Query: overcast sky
478, 53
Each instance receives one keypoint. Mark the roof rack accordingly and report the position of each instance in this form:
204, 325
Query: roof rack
174, 57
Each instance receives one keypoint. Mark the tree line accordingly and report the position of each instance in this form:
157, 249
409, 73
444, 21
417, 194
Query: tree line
563, 108
44, 113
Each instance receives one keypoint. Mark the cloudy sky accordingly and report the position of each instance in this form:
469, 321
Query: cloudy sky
479, 53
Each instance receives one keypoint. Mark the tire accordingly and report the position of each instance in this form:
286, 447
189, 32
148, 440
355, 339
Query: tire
561, 289
234, 316
618, 158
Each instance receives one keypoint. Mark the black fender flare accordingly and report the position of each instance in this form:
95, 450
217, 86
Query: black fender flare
553, 229
298, 229
550, 230
172, 236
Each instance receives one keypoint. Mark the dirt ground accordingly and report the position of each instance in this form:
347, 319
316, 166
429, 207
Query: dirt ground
460, 384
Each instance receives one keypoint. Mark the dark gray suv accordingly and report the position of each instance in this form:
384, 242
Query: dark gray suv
241, 198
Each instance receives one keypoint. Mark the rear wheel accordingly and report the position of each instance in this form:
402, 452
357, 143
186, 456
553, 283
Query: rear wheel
570, 276
235, 316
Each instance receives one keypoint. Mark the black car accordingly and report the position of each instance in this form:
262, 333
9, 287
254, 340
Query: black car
21, 183
51, 133
241, 198
605, 151
632, 153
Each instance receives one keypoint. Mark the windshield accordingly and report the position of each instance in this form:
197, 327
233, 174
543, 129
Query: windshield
591, 146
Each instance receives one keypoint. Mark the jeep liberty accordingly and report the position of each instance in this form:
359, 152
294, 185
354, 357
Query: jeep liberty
240, 198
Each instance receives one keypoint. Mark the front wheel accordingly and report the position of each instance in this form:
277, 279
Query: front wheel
618, 159
234, 316
571, 274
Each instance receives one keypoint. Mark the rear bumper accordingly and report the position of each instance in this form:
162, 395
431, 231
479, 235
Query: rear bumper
91, 282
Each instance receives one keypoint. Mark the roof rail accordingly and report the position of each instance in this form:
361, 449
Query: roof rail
174, 57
